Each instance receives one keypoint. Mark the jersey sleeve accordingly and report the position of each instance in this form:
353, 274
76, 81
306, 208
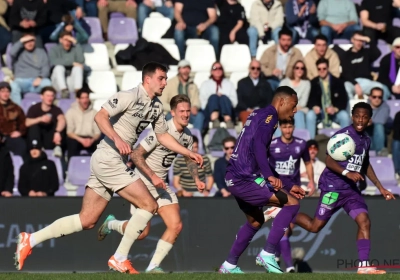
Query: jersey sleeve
150, 142
120, 102
160, 124
306, 154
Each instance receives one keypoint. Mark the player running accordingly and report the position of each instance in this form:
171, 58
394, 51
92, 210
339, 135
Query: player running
122, 118
285, 154
160, 159
339, 188
251, 181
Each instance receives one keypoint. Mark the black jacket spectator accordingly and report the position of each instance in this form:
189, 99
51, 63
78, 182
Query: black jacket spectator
219, 173
58, 8
384, 72
31, 10
339, 96
251, 96
6, 170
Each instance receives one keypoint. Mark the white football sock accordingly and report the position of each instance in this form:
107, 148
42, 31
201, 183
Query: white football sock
117, 226
363, 264
137, 223
229, 265
265, 253
162, 250
58, 228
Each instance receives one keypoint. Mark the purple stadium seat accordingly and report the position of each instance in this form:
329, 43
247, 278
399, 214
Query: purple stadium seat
372, 153
17, 163
80, 191
385, 49
305, 42
394, 107
211, 133
65, 104
27, 103
142, 136
393, 189
49, 153
384, 169
328, 131
8, 57
32, 95
79, 170
49, 46
62, 191
197, 133
122, 31
302, 134
396, 22
171, 176
57, 162
1, 74
72, 95
95, 30
117, 15
341, 41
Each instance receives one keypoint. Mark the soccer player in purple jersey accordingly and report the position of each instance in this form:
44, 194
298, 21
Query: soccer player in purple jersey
339, 188
285, 154
253, 184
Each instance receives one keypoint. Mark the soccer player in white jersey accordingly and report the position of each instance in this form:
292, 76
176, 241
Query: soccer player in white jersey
122, 118
160, 160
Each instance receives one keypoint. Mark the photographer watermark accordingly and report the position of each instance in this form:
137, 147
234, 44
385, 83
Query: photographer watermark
378, 263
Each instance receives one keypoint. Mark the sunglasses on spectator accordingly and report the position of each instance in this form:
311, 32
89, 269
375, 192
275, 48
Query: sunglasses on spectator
299, 68
216, 68
397, 47
255, 68
376, 97
320, 69
229, 148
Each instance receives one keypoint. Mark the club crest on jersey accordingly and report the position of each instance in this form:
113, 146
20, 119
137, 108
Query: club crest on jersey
297, 150
269, 118
277, 150
321, 211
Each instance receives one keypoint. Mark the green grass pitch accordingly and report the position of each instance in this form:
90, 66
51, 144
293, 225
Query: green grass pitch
191, 276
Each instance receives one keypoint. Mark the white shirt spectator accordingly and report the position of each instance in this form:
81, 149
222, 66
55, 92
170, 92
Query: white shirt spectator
208, 88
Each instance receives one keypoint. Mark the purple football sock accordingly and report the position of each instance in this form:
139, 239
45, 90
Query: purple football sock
364, 247
286, 251
280, 226
278, 251
243, 238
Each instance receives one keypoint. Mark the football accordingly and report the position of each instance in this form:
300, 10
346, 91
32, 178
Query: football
341, 147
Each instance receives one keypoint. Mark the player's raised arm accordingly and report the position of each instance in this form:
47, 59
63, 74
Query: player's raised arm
335, 167
372, 176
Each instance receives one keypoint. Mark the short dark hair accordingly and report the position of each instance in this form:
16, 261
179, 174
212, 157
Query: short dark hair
285, 31
229, 139
311, 143
286, 121
82, 91
48, 89
284, 91
376, 88
358, 32
322, 60
362, 105
195, 139
64, 33
320, 37
150, 68
180, 98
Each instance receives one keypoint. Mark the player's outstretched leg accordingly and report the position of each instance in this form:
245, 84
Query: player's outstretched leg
92, 207
290, 208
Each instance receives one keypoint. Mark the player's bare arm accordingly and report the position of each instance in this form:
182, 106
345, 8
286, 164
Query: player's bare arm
310, 175
138, 159
170, 142
102, 119
335, 167
297, 192
372, 176
194, 171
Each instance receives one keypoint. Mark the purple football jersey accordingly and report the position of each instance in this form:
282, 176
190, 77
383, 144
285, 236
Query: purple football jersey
286, 159
249, 159
331, 181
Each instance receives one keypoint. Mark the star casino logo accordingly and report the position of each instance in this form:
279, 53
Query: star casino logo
269, 118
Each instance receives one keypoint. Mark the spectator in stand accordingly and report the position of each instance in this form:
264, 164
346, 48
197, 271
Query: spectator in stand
266, 20
357, 67
5, 33
195, 19
301, 17
71, 25
82, 131
328, 100
218, 97
27, 17
389, 68
6, 170
68, 61
127, 7
232, 24
396, 144
38, 176
376, 18
89, 7
338, 19
12, 122
321, 50
318, 165
164, 7
253, 92
46, 122
31, 68
277, 61
299, 82
380, 117
184, 182
220, 167
183, 84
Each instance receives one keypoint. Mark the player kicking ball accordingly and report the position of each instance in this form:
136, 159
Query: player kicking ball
285, 154
159, 159
122, 119
339, 188
251, 181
